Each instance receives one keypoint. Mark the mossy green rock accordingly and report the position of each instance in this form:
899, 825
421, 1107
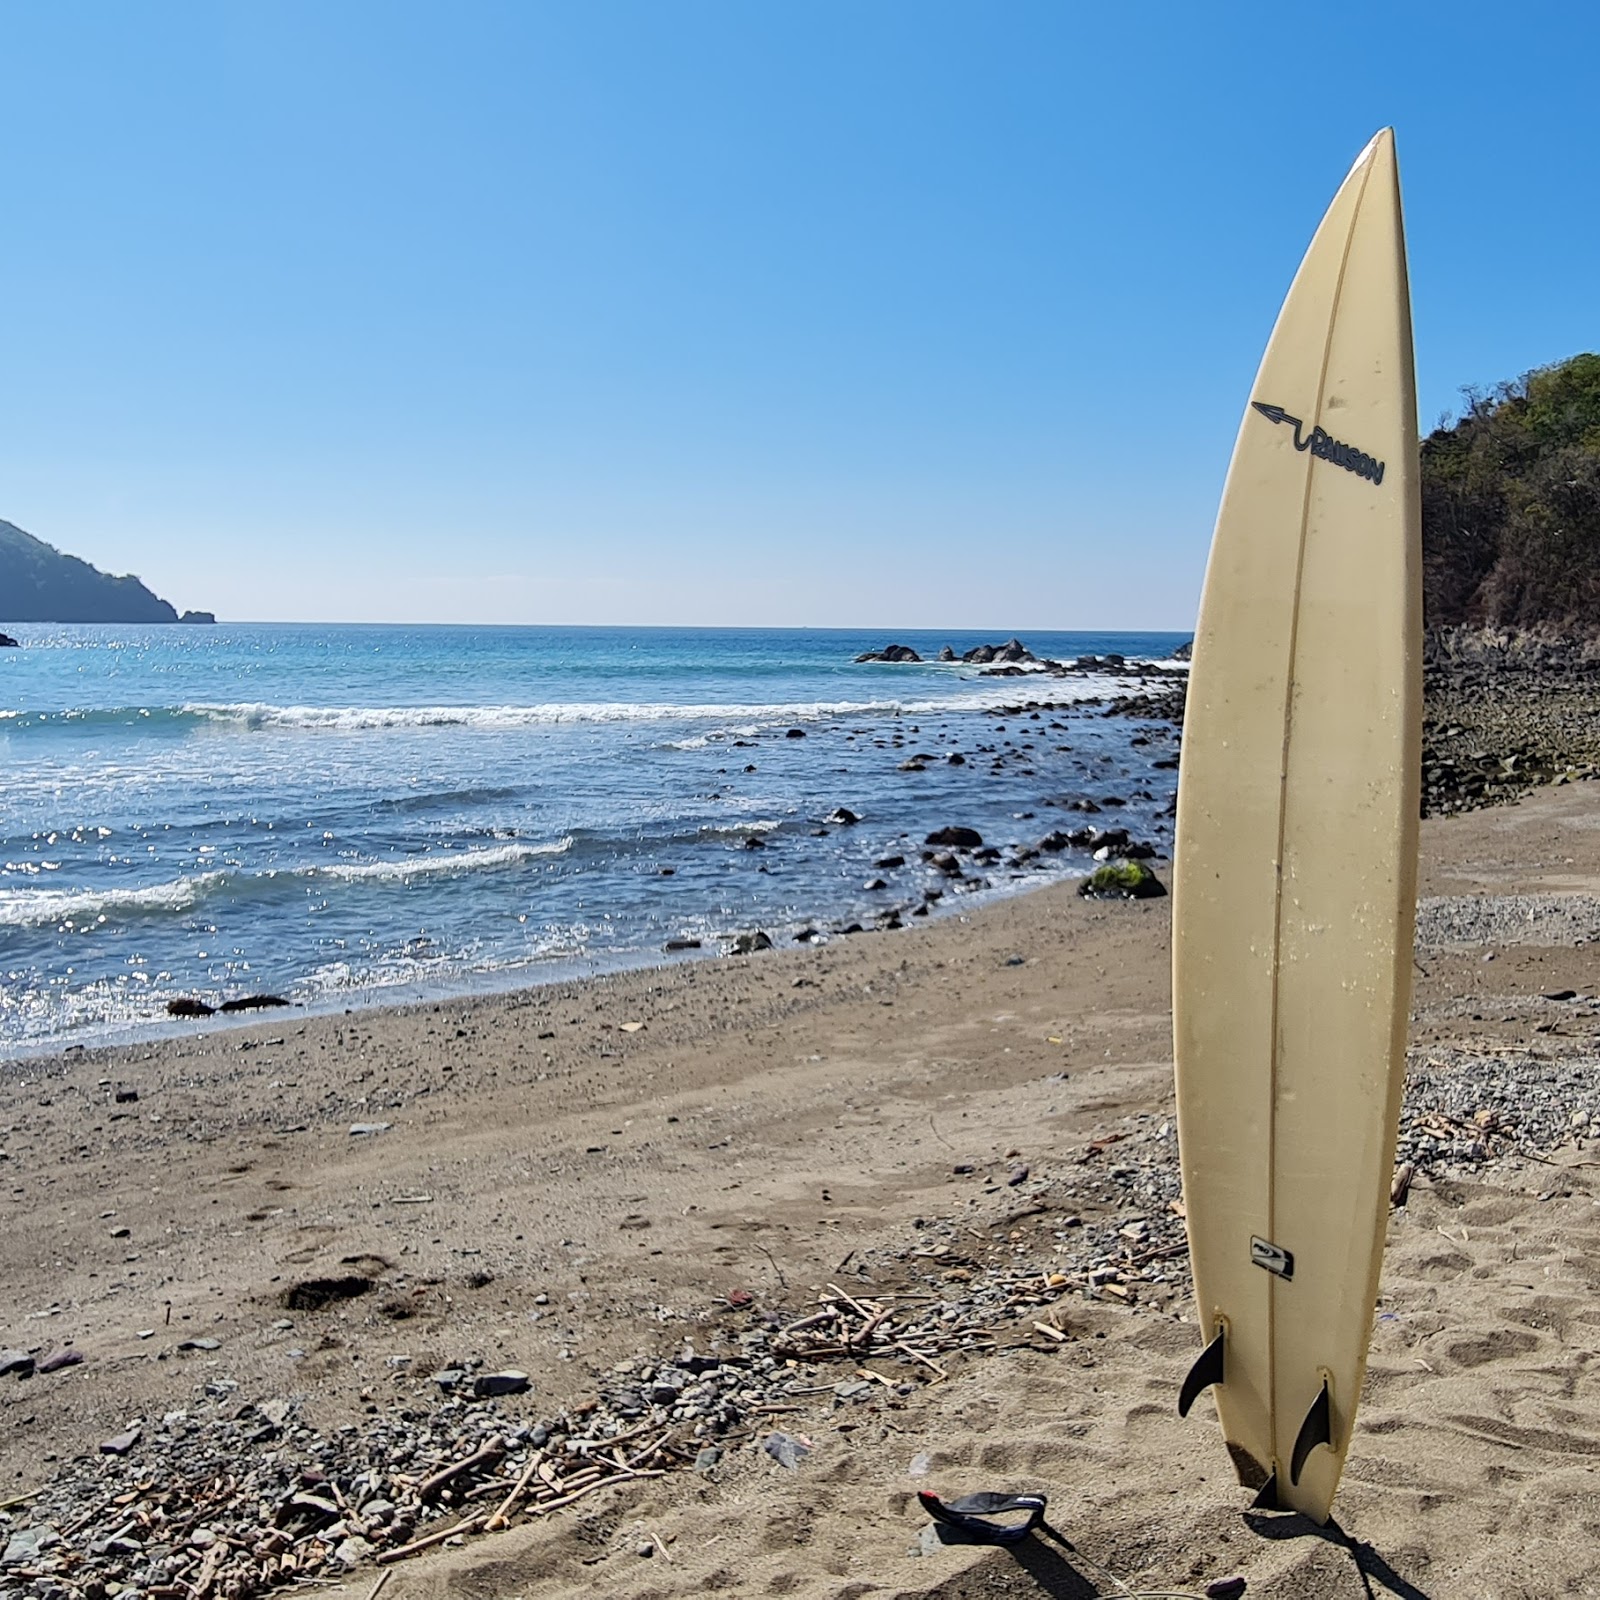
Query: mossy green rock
1122, 880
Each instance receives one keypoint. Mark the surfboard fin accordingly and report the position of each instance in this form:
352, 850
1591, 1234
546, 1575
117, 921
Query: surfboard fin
1267, 1496
1316, 1429
1206, 1371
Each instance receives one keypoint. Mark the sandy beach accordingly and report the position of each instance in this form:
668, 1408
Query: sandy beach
966, 1122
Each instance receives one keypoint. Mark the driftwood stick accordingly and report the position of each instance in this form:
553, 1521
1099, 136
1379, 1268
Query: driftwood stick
490, 1450
811, 1321
544, 1506
499, 1513
849, 1300
917, 1355
470, 1525
377, 1588
639, 1457
874, 1322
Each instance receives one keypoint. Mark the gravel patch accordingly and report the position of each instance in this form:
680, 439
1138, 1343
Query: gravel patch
1541, 919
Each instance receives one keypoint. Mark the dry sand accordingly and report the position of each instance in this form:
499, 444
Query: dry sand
777, 1121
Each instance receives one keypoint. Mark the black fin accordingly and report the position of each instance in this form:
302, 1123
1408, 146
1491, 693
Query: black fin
1316, 1429
1206, 1371
1267, 1497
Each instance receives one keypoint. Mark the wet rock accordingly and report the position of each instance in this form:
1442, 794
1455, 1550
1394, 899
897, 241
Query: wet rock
681, 944
842, 817
795, 733
253, 1002
1122, 880
889, 863
745, 944
890, 652
187, 1006
956, 838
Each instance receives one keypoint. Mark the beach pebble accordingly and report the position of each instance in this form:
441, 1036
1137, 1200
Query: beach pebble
200, 1344
25, 1546
57, 1359
786, 1450
17, 1361
121, 1443
360, 1128
1225, 1589
490, 1384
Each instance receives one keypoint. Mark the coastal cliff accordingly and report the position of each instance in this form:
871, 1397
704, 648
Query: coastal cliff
39, 583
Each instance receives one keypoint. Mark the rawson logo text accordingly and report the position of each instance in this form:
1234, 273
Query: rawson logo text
1325, 446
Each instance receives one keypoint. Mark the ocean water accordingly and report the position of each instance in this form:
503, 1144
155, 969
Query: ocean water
349, 815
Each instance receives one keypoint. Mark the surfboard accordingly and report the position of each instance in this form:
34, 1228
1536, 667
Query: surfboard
1294, 878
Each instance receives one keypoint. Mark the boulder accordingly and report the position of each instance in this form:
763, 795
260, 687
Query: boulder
1122, 880
8, 643
890, 652
947, 654
842, 817
745, 944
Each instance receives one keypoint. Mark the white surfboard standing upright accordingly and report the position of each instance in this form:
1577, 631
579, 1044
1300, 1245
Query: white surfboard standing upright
1295, 874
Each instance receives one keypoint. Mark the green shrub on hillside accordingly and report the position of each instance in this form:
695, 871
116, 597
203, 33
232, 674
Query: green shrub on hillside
1511, 505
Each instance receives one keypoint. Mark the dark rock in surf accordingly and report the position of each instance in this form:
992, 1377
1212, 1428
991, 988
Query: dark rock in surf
891, 652
956, 838
746, 944
253, 1002
8, 643
947, 654
795, 733
842, 817
185, 1006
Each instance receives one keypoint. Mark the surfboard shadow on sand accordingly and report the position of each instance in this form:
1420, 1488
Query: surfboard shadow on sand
1045, 1557
1370, 1566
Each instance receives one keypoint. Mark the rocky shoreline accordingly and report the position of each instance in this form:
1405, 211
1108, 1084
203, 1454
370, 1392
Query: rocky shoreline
1502, 714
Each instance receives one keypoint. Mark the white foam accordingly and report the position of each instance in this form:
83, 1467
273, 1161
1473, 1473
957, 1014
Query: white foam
36, 908
725, 720
406, 867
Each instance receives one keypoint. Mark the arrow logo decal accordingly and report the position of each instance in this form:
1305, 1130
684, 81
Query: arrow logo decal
1323, 445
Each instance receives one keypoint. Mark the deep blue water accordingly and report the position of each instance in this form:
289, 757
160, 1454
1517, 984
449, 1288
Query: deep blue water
348, 814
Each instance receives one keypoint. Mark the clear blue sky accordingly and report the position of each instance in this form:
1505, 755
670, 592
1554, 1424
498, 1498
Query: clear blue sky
857, 313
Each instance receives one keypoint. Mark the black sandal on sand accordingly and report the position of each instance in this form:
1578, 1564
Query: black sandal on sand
971, 1513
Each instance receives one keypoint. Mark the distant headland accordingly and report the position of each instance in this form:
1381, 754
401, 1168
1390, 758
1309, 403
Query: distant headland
39, 583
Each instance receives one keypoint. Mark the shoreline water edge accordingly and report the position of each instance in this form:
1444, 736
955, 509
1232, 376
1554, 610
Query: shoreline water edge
359, 817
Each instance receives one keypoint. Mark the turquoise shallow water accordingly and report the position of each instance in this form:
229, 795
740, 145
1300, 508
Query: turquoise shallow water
348, 814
